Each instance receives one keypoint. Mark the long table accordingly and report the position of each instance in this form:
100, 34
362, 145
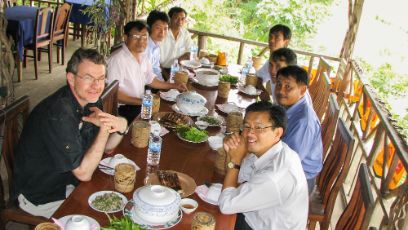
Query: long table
195, 160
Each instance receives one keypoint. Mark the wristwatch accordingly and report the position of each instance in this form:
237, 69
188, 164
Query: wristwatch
124, 132
232, 165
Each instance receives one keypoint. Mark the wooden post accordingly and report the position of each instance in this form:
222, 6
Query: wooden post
240, 52
202, 42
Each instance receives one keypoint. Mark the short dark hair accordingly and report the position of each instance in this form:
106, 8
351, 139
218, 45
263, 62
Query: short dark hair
156, 15
138, 25
287, 33
296, 72
176, 10
81, 54
286, 53
277, 114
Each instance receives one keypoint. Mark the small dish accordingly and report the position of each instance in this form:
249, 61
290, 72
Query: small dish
228, 107
94, 225
248, 91
188, 205
213, 121
101, 193
78, 222
190, 64
215, 142
201, 124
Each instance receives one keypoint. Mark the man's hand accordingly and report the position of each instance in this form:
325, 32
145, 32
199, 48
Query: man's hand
106, 120
236, 147
180, 86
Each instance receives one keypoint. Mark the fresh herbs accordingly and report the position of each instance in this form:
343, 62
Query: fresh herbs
191, 133
229, 78
108, 202
210, 120
124, 223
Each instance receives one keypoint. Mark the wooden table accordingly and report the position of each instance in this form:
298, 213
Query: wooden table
195, 160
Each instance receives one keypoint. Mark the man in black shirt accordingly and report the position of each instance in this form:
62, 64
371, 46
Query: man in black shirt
65, 137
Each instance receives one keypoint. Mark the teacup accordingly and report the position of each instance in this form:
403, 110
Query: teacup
117, 159
188, 205
78, 222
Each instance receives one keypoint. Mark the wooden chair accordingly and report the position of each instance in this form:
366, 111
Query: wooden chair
11, 122
110, 98
60, 35
43, 31
329, 123
331, 178
360, 208
320, 88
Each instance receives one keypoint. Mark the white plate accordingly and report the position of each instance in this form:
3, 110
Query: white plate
242, 90
112, 171
203, 112
128, 211
223, 109
93, 196
200, 80
191, 64
219, 119
63, 220
167, 97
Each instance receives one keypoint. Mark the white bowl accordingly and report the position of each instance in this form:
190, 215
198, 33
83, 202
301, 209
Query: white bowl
188, 205
190, 102
208, 76
201, 124
156, 204
117, 159
204, 61
78, 222
215, 142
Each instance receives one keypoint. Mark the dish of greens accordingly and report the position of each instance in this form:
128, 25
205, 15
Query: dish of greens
211, 120
124, 223
107, 201
191, 134
233, 80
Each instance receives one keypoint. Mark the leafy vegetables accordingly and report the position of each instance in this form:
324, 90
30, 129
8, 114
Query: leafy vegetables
124, 223
108, 202
210, 120
229, 78
191, 133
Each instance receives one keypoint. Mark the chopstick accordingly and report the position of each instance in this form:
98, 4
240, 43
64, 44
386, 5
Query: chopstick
105, 167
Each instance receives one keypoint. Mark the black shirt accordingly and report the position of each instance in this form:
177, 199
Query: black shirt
52, 144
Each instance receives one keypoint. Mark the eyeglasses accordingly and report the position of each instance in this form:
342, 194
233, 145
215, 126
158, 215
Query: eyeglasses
89, 79
256, 130
138, 37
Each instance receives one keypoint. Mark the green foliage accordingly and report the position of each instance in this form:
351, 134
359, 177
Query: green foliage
388, 83
145, 6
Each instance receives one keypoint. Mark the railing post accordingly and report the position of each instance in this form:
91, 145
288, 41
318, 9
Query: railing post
240, 52
202, 42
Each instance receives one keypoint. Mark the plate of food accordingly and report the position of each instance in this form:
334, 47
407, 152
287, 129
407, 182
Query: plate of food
249, 90
211, 120
191, 134
107, 201
180, 182
172, 119
229, 78
190, 64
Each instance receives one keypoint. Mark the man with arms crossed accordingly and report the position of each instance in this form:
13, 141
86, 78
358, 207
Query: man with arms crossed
65, 137
264, 183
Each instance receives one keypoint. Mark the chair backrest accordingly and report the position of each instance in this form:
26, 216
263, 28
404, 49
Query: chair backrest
110, 98
361, 206
336, 167
329, 123
12, 121
44, 26
61, 22
11, 3
320, 95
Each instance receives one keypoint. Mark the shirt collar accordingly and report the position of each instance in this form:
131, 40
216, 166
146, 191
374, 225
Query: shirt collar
153, 44
294, 107
81, 111
268, 155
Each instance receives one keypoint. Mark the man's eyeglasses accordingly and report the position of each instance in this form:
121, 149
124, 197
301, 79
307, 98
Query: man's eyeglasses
257, 130
138, 37
89, 80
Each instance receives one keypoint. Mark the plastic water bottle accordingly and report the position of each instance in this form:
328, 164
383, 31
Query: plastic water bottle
174, 68
147, 104
249, 63
244, 73
193, 53
155, 143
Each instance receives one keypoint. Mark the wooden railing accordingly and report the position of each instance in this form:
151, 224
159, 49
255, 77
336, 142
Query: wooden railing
377, 140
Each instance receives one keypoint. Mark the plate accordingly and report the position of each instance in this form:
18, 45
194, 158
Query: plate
182, 138
167, 97
242, 90
187, 183
128, 211
222, 108
220, 120
203, 112
111, 172
186, 119
191, 64
200, 80
63, 220
94, 195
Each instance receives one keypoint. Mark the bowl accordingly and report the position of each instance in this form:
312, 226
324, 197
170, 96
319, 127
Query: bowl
204, 61
156, 204
117, 159
78, 222
190, 102
188, 205
208, 76
201, 124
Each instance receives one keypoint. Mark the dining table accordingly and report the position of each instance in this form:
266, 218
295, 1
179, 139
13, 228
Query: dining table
192, 159
21, 23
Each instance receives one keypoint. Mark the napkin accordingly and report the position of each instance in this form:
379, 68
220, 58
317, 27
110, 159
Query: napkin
211, 194
163, 131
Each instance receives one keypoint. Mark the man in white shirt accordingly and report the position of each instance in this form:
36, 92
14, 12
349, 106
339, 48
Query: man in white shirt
178, 41
158, 23
131, 67
264, 183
